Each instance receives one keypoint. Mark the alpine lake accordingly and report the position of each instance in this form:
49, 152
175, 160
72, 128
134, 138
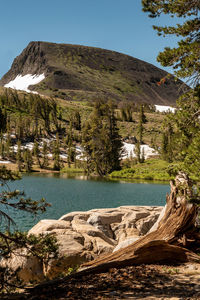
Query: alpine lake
67, 193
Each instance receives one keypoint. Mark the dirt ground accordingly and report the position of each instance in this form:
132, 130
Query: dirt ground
134, 282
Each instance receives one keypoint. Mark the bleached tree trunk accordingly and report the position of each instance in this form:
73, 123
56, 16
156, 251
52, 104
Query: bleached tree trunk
169, 242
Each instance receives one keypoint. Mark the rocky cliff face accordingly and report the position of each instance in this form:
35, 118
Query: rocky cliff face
30, 61
76, 72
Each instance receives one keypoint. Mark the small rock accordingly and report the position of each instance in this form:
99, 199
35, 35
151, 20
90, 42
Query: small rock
191, 267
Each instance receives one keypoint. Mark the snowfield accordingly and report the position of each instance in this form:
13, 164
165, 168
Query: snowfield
129, 151
165, 108
5, 162
22, 82
25, 146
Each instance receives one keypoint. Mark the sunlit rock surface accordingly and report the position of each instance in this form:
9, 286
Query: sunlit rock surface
84, 235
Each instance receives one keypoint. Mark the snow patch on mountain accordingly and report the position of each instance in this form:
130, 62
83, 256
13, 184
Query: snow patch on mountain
22, 82
5, 161
129, 151
165, 108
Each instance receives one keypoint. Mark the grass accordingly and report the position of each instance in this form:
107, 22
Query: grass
152, 129
151, 169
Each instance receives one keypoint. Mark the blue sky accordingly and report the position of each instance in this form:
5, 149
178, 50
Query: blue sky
118, 25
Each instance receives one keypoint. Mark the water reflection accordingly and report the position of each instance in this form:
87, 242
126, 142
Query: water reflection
80, 176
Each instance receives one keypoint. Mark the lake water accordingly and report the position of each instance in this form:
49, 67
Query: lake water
78, 194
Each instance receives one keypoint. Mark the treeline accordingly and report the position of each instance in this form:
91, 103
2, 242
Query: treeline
42, 153
31, 118
29, 114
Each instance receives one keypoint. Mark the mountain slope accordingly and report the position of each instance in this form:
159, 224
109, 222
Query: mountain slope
76, 72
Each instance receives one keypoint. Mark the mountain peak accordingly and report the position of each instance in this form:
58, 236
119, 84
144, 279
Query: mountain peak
76, 72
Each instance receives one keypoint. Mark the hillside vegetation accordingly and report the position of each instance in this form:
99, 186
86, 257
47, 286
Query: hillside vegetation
152, 169
32, 121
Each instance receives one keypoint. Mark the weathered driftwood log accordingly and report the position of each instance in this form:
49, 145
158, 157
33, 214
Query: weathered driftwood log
168, 242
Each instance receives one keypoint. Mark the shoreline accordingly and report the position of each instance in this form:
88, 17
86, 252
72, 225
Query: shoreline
75, 172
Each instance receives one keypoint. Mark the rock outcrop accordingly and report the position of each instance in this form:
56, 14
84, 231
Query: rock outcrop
83, 236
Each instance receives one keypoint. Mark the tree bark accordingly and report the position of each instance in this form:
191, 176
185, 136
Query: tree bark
169, 241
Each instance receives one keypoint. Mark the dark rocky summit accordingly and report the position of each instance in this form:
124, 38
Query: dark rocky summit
75, 72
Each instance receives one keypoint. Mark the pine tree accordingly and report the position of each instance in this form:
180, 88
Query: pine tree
20, 128
8, 146
185, 57
70, 148
37, 153
2, 147
142, 116
101, 140
127, 111
19, 156
129, 114
54, 114
56, 154
45, 161
28, 160
142, 120
77, 121
164, 146
192, 161
123, 114
142, 156
27, 127
115, 139
3, 120
140, 131
137, 151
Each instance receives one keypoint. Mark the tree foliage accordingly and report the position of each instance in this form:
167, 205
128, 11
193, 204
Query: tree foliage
185, 58
29, 114
56, 154
181, 129
3, 120
101, 140
43, 247
142, 121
